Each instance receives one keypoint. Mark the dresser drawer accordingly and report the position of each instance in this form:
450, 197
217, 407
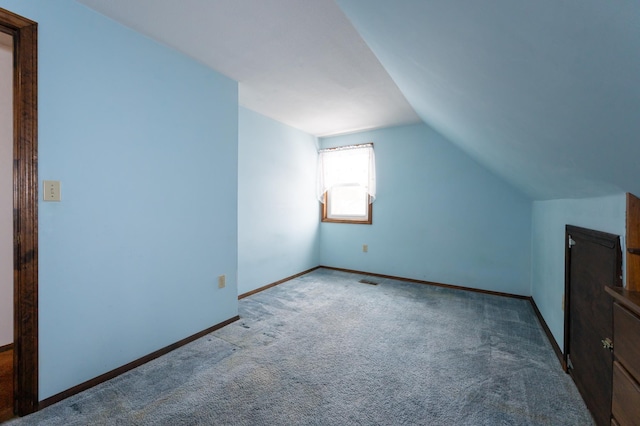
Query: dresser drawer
625, 405
626, 339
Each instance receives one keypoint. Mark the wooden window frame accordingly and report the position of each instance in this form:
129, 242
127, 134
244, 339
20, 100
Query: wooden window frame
324, 213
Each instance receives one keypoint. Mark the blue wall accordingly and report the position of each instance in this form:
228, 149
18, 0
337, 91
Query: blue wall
278, 213
439, 216
605, 214
162, 192
144, 142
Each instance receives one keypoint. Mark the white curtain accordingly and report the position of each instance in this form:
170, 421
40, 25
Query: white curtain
350, 165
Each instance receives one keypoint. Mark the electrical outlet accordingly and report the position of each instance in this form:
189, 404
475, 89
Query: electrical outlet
222, 281
365, 248
51, 190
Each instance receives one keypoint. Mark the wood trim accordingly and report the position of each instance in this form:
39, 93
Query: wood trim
411, 280
6, 388
25, 205
567, 298
133, 364
325, 219
12, 21
633, 241
547, 331
258, 290
598, 237
5, 348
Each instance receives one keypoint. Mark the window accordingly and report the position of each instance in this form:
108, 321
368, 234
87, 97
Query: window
347, 183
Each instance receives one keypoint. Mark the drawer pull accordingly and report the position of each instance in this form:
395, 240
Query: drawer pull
607, 344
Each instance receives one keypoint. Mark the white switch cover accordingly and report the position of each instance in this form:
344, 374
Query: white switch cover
51, 190
222, 281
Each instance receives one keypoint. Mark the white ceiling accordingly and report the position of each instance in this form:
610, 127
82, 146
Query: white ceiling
299, 62
545, 93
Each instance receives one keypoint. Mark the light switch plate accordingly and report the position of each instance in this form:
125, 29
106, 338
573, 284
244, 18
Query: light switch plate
51, 190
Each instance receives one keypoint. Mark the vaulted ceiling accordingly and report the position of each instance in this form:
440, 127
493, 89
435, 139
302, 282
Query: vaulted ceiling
545, 93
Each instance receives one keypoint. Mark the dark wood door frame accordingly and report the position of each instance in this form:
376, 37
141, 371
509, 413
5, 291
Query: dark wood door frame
25, 208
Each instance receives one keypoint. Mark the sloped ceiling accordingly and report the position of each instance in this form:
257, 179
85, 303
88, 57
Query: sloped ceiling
545, 93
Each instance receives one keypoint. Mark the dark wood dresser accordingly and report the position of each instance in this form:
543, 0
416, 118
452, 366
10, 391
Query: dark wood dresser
625, 404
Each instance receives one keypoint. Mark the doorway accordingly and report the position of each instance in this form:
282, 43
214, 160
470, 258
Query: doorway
23, 33
593, 261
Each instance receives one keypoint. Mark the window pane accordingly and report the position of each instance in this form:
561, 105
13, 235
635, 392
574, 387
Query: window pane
346, 184
348, 201
343, 167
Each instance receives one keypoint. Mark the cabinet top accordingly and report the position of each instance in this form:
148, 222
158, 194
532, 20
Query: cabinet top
629, 299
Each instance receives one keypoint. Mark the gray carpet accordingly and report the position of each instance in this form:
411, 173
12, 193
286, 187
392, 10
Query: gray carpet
324, 349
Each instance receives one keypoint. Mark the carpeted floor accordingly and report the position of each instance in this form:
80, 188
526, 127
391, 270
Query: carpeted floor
324, 349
